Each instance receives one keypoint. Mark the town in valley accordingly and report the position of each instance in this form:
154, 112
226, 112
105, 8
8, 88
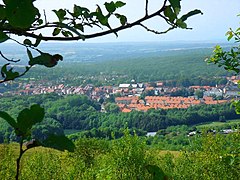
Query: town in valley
137, 96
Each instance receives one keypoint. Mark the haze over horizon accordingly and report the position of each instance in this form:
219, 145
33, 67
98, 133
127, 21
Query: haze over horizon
218, 16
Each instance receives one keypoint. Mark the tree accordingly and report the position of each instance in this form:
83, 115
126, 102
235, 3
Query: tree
23, 127
199, 93
23, 18
112, 108
229, 60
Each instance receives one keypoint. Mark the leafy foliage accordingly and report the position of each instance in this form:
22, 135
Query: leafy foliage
230, 60
213, 156
23, 130
78, 112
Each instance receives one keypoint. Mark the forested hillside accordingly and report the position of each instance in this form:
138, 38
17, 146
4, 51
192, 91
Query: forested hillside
173, 65
79, 113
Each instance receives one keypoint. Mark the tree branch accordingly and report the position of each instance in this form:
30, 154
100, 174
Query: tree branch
235, 34
20, 75
89, 36
157, 32
45, 16
146, 8
10, 60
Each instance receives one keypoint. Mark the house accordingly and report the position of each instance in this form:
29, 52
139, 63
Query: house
126, 110
125, 100
134, 85
159, 84
213, 92
192, 133
124, 85
151, 134
121, 106
140, 85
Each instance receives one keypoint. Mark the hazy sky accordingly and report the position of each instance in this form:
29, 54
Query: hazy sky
219, 16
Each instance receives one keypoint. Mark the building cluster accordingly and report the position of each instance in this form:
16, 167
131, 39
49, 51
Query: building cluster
141, 96
127, 104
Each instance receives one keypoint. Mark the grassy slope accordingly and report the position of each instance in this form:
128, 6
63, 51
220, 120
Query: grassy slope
219, 124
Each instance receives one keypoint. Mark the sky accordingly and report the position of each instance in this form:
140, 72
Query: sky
218, 16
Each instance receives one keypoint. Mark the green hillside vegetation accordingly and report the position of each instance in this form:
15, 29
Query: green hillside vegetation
129, 157
77, 112
174, 66
227, 124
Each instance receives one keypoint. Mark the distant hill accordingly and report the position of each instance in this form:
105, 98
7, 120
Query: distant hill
95, 52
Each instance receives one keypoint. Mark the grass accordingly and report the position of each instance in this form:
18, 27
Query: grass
174, 153
219, 124
70, 131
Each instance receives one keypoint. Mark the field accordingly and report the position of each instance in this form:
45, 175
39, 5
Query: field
219, 124
126, 158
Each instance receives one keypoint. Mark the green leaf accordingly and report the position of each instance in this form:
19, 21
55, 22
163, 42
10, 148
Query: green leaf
122, 18
79, 26
67, 33
59, 142
46, 59
78, 10
8, 118
60, 14
176, 5
156, 172
28, 117
181, 24
191, 13
27, 42
168, 12
4, 70
230, 35
119, 4
8, 74
2, 12
3, 37
56, 31
229, 160
21, 14
110, 6
40, 21
237, 106
102, 19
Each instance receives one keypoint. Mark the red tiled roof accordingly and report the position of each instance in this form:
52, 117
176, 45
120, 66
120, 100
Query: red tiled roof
126, 110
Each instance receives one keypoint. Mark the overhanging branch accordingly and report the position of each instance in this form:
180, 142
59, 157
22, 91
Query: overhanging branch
157, 32
89, 36
7, 59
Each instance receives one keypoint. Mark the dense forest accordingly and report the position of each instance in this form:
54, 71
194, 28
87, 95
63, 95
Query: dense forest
141, 69
78, 112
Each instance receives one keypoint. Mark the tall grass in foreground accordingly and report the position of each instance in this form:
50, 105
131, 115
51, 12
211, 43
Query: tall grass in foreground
211, 157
